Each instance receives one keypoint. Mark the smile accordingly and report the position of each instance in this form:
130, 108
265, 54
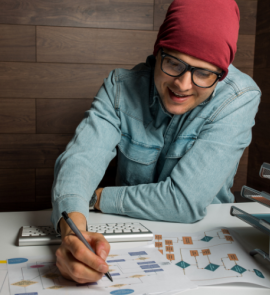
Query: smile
178, 97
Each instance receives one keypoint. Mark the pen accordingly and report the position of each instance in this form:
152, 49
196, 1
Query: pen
80, 237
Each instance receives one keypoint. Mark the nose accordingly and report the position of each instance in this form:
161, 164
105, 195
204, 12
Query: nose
184, 82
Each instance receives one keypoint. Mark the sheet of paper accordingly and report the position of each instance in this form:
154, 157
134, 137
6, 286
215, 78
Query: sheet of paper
134, 271
211, 257
4, 287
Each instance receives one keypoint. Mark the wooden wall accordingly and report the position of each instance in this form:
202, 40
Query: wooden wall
54, 56
260, 147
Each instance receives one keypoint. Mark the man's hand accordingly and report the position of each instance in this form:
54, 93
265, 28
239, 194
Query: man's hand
98, 193
74, 260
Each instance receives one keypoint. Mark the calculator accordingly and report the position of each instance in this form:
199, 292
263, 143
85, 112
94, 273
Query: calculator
113, 232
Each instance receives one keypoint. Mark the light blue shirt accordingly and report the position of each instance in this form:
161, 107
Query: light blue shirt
170, 167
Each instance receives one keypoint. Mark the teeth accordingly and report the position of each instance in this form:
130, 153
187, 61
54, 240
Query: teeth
178, 94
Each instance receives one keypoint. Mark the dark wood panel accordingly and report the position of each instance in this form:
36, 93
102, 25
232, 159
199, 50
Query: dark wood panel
17, 43
34, 141
29, 159
263, 17
244, 57
44, 181
248, 12
26, 206
17, 115
17, 185
259, 153
260, 146
60, 115
31, 151
123, 14
99, 46
262, 78
262, 49
240, 178
42, 80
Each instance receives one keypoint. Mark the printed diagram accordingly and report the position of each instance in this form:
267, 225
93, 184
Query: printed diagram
130, 271
210, 257
3, 277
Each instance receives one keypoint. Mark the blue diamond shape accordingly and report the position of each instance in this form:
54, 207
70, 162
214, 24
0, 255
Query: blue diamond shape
182, 264
207, 239
258, 273
212, 267
238, 269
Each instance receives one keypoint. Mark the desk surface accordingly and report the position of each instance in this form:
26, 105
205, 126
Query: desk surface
217, 216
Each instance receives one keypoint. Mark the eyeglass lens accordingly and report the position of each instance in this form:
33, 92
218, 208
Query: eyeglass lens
174, 67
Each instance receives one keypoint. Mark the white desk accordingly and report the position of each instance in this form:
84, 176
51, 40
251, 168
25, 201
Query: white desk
218, 216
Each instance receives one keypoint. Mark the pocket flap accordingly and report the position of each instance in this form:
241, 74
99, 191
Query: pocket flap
138, 152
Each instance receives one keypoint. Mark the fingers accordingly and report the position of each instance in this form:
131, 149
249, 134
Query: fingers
75, 270
75, 261
99, 244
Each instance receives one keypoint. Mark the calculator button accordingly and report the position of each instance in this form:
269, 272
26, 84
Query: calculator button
117, 231
144, 230
135, 230
109, 231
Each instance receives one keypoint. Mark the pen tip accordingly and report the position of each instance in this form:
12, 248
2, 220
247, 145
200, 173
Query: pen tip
109, 276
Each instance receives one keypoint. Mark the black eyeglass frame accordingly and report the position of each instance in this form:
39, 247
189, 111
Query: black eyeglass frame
188, 68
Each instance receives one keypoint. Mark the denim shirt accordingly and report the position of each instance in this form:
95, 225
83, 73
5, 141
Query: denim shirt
170, 167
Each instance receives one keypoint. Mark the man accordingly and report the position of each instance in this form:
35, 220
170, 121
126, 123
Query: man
180, 123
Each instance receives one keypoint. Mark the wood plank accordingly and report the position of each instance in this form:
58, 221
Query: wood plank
248, 12
121, 14
17, 115
34, 141
262, 78
60, 115
259, 153
17, 185
44, 181
17, 43
262, 49
244, 57
80, 45
31, 151
46, 80
99, 46
263, 17
28, 159
240, 178
26, 206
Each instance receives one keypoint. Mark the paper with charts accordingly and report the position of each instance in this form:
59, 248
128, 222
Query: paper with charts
211, 257
142, 271
4, 288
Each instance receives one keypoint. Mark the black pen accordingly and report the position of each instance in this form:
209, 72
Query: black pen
80, 237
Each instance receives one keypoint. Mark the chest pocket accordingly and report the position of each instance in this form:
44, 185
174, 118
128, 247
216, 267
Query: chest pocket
180, 147
136, 162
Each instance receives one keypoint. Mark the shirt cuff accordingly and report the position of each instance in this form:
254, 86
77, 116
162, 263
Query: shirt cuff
69, 203
112, 200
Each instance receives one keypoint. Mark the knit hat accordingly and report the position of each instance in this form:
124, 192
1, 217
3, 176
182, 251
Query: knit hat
205, 29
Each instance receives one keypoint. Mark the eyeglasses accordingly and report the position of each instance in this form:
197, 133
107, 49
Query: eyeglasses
175, 67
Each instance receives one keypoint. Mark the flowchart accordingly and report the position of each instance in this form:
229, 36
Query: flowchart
137, 272
210, 257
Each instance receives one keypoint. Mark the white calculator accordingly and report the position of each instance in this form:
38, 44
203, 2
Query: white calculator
113, 232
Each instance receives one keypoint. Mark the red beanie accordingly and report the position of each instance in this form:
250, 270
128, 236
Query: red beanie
205, 29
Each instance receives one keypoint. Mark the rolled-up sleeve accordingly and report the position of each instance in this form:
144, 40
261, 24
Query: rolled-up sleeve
79, 169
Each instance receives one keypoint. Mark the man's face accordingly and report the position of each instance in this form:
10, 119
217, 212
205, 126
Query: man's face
191, 95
